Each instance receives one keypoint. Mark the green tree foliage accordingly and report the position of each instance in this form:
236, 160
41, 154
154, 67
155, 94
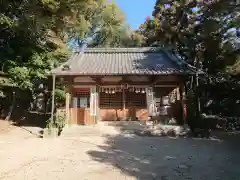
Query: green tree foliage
107, 27
34, 37
34, 34
197, 30
29, 39
133, 39
111, 27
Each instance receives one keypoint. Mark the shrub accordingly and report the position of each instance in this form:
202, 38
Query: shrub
57, 122
233, 124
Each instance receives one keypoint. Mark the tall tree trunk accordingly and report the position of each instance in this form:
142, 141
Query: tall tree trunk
198, 98
8, 117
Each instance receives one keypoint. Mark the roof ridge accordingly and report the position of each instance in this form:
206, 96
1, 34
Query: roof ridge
123, 50
180, 61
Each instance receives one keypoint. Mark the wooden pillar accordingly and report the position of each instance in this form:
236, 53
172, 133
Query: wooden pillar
124, 104
178, 94
74, 110
53, 96
97, 105
183, 102
93, 104
150, 101
67, 104
198, 100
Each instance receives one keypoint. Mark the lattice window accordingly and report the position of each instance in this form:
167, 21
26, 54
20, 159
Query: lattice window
82, 94
81, 100
135, 99
111, 100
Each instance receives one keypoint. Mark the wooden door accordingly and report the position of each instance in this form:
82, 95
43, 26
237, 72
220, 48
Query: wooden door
80, 102
81, 109
81, 116
81, 113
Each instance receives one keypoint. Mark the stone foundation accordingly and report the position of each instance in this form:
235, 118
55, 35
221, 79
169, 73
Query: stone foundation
147, 128
164, 130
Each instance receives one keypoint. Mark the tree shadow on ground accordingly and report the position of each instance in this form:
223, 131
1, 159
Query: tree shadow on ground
32, 122
165, 158
33, 119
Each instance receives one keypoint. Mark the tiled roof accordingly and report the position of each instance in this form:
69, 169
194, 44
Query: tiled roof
123, 61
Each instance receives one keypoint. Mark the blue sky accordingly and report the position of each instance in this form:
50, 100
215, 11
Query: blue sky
136, 11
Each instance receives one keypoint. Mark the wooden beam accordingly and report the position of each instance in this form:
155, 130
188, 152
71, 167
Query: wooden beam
183, 102
128, 82
97, 79
124, 80
124, 104
154, 79
53, 97
67, 104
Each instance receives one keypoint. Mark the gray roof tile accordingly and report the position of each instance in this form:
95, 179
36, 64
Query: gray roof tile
122, 61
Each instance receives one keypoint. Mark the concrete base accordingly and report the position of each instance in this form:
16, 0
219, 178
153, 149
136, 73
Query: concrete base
50, 133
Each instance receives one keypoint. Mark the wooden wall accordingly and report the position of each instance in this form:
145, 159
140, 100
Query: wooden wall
120, 114
80, 116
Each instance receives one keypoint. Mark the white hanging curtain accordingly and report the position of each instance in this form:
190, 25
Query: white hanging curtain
150, 101
74, 102
93, 101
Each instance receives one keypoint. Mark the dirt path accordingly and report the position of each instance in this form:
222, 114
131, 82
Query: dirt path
91, 154
5, 127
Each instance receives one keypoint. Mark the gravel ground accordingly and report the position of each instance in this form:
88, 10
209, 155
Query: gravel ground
93, 153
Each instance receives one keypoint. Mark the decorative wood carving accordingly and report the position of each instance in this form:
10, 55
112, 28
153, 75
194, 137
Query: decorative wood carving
111, 78
97, 79
83, 79
138, 78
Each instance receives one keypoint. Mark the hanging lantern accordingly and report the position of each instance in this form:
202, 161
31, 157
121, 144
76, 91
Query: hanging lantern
110, 91
137, 90
102, 89
106, 91
143, 91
